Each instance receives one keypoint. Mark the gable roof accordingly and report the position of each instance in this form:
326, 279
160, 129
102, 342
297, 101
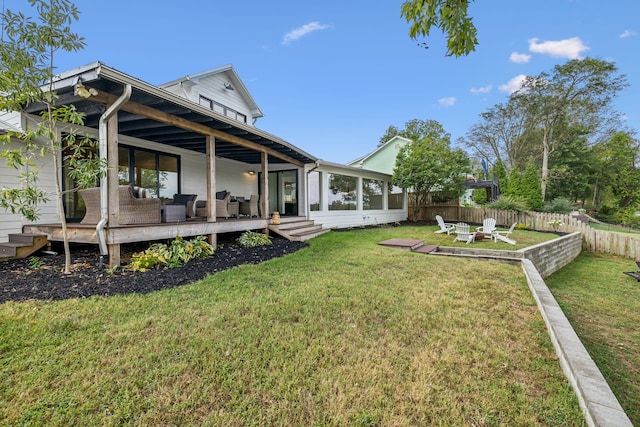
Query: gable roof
361, 160
173, 119
234, 79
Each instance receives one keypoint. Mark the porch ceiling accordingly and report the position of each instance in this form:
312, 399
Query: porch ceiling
227, 131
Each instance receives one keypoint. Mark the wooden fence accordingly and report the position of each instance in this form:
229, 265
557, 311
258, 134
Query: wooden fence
592, 240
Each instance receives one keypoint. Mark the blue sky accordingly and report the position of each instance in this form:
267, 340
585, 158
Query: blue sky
331, 76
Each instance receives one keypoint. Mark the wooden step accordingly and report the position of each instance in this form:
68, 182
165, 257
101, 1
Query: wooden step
22, 245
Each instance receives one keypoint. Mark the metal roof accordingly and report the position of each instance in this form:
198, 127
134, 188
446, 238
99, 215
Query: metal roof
108, 81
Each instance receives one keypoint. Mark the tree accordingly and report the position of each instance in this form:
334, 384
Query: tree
499, 171
530, 189
414, 130
452, 17
578, 93
429, 165
498, 134
620, 174
27, 57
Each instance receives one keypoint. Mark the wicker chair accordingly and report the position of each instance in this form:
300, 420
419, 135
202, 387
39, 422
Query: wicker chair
131, 210
250, 207
224, 207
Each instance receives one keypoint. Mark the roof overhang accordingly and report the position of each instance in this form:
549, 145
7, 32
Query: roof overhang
154, 114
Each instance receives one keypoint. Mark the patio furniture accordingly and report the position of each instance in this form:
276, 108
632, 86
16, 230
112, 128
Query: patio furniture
488, 226
224, 206
504, 235
463, 233
173, 212
634, 274
188, 201
445, 227
250, 207
132, 210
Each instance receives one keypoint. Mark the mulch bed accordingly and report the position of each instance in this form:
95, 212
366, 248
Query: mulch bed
21, 280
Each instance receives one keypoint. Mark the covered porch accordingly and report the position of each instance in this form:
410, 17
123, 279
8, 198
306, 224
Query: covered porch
121, 108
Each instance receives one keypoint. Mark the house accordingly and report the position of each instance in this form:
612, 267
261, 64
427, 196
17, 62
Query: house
193, 136
383, 158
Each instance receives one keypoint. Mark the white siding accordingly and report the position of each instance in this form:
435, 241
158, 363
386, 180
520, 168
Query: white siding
10, 120
212, 87
12, 223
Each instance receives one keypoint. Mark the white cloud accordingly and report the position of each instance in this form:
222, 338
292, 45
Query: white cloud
447, 102
519, 58
480, 90
567, 48
302, 31
513, 84
627, 34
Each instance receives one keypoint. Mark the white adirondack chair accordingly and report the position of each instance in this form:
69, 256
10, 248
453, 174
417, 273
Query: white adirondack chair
445, 227
504, 235
463, 233
488, 226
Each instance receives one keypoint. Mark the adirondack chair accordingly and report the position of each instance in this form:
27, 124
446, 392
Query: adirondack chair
504, 235
463, 233
488, 227
445, 227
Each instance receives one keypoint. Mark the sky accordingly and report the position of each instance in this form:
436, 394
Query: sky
331, 76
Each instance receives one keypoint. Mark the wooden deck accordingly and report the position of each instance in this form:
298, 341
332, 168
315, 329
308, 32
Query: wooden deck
86, 233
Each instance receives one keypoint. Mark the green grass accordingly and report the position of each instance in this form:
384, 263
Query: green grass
343, 332
612, 228
603, 305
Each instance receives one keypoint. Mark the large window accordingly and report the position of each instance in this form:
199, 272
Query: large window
314, 191
372, 193
343, 194
395, 197
157, 172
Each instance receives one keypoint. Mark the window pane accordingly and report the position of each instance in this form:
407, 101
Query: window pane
343, 192
314, 191
168, 176
145, 171
123, 166
372, 192
396, 197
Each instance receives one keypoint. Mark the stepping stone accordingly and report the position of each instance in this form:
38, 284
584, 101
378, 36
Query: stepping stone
426, 249
405, 244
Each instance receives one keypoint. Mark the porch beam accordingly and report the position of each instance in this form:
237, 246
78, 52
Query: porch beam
264, 182
173, 120
113, 198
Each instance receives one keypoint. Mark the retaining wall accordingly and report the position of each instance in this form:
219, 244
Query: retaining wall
549, 257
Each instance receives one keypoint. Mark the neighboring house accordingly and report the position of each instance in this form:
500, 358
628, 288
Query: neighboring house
383, 158
195, 135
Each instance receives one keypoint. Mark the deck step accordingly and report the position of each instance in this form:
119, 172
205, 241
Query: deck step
22, 245
297, 229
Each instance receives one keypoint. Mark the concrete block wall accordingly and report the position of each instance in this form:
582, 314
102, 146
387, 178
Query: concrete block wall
551, 256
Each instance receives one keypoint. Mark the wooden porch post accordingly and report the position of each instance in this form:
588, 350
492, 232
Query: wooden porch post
264, 190
112, 186
211, 186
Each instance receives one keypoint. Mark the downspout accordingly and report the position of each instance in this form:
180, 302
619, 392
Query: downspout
104, 191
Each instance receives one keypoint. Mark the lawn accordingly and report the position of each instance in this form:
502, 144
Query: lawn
603, 305
343, 332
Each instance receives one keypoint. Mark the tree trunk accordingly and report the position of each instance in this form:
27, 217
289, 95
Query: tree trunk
59, 201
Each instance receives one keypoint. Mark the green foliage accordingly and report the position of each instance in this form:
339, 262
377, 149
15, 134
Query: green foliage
451, 17
513, 186
509, 203
480, 196
499, 170
35, 262
251, 239
559, 205
530, 188
428, 165
174, 255
522, 226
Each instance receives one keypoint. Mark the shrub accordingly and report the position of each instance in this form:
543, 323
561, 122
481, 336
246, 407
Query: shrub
558, 205
174, 255
509, 203
251, 239
521, 226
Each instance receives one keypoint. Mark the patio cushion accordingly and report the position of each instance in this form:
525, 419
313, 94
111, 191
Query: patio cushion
220, 195
188, 200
